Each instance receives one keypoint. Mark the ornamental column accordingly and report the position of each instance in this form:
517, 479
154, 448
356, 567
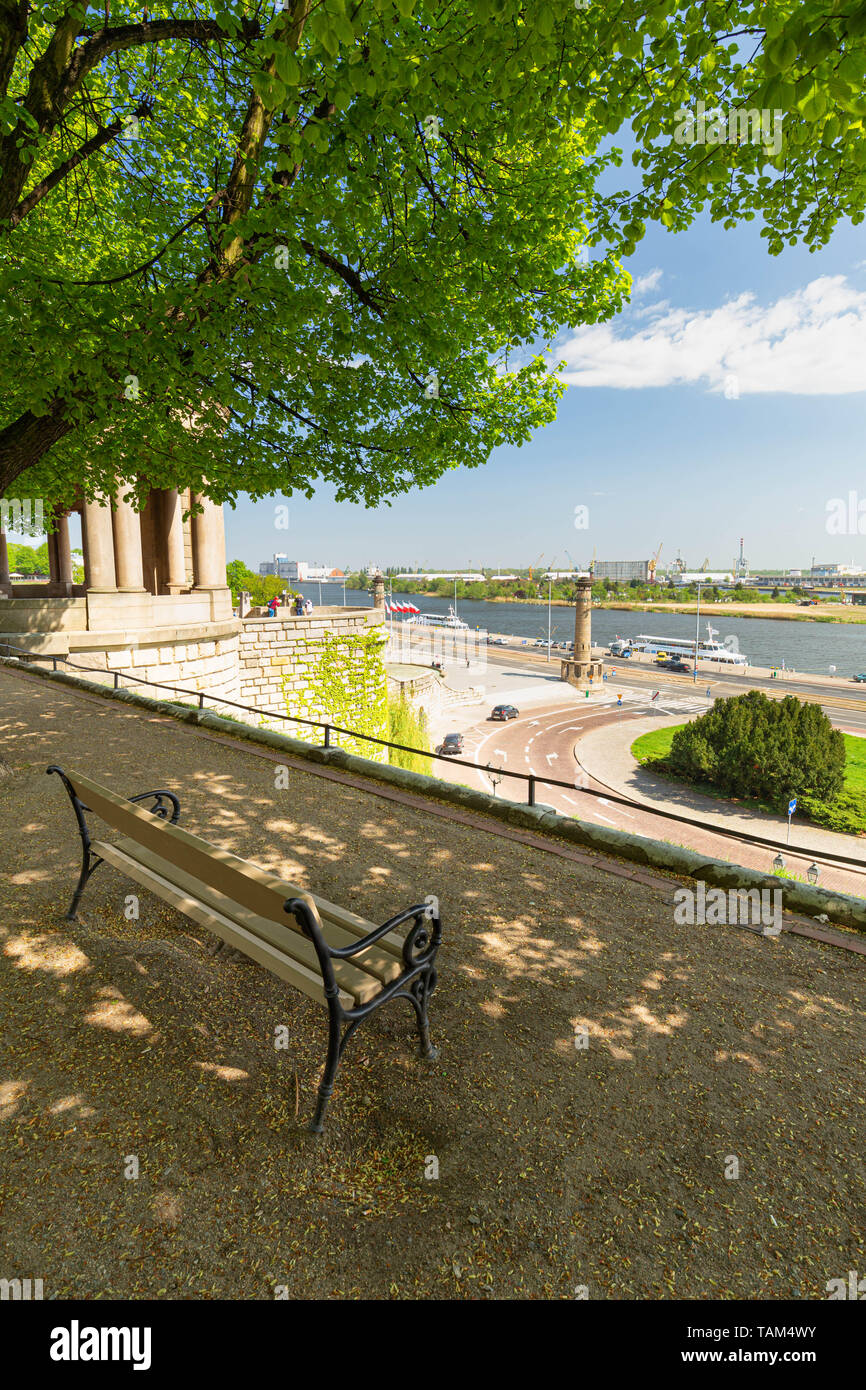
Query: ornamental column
64, 553
98, 544
208, 545
129, 569
5, 577
172, 541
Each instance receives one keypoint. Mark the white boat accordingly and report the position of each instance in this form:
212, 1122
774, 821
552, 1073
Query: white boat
708, 649
440, 620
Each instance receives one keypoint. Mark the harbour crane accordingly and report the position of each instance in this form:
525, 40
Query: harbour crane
706, 565
536, 563
652, 564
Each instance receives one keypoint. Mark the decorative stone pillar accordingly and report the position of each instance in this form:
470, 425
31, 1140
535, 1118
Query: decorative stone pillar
209, 545
580, 669
98, 543
127, 548
378, 591
64, 552
172, 540
5, 577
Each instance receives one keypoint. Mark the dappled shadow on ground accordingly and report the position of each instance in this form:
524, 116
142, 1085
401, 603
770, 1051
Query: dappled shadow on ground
599, 1067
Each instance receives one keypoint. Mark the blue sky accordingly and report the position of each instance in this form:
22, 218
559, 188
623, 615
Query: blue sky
671, 459
646, 437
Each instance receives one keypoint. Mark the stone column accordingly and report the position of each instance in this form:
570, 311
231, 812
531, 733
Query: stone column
5, 578
127, 548
98, 539
583, 621
64, 551
378, 591
53, 558
172, 539
209, 545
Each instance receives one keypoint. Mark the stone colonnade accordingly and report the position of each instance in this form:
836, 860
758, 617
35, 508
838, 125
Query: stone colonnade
126, 551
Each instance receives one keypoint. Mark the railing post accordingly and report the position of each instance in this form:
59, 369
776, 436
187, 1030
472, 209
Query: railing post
327, 735
54, 663
531, 789
117, 680
201, 700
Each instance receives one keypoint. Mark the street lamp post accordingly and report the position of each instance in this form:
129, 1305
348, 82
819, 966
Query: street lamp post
549, 590
697, 634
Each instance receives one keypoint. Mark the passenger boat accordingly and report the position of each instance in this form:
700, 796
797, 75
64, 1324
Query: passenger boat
681, 649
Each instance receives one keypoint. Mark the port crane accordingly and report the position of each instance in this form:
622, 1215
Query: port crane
536, 563
652, 564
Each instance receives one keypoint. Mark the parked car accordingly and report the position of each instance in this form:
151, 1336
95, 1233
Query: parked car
451, 743
662, 658
504, 712
861, 677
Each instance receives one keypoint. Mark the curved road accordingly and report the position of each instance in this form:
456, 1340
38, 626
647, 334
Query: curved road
542, 741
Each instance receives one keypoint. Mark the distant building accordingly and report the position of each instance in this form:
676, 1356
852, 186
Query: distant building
298, 571
466, 578
622, 570
702, 577
834, 571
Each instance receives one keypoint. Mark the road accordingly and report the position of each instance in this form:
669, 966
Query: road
542, 742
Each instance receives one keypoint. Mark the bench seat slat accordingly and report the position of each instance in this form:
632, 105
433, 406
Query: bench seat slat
276, 960
362, 977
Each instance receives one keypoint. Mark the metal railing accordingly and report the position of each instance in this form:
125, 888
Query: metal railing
532, 779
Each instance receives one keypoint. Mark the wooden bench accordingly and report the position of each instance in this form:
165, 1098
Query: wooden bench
322, 949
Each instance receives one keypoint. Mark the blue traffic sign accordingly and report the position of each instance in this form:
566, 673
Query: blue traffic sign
792, 806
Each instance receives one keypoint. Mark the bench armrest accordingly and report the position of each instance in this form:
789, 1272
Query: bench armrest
162, 799
421, 941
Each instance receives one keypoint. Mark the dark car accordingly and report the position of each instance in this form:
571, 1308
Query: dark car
452, 743
504, 712
861, 677
677, 665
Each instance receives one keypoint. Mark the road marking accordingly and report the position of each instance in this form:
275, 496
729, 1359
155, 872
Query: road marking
550, 757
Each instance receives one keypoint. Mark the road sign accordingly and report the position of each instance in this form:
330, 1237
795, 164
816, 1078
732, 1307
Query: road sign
792, 805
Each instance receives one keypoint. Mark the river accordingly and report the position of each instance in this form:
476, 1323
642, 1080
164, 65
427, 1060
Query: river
802, 646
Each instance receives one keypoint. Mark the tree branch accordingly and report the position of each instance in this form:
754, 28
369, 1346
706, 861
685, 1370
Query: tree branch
96, 142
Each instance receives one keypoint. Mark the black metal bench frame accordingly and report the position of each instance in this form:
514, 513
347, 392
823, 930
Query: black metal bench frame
416, 982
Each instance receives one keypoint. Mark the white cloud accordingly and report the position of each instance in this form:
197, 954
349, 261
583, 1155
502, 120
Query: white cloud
811, 342
646, 282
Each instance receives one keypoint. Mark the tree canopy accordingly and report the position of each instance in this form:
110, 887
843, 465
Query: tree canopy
254, 249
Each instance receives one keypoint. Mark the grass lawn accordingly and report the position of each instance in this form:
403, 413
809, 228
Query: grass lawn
650, 749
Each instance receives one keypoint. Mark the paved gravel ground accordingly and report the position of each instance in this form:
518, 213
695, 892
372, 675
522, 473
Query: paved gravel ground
558, 1166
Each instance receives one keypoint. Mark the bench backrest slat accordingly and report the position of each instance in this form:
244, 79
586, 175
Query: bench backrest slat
237, 878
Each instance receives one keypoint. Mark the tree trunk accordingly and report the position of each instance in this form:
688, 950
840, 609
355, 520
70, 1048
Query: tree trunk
24, 441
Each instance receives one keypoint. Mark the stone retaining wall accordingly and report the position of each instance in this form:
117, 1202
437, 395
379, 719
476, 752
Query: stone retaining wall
285, 666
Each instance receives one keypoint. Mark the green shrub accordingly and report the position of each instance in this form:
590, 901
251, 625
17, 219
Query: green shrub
408, 725
846, 813
762, 749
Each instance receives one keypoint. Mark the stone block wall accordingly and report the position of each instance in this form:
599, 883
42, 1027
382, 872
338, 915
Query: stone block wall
324, 666
198, 661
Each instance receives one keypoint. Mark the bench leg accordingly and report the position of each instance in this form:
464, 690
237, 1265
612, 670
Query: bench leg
326, 1087
422, 988
87, 868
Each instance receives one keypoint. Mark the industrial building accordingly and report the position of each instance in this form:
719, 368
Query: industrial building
622, 570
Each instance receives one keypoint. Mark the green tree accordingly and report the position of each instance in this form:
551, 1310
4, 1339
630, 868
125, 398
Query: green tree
763, 749
246, 253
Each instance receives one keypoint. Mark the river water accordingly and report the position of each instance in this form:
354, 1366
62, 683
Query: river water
802, 646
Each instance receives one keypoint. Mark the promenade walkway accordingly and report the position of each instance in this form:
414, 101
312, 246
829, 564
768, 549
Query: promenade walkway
520, 1165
